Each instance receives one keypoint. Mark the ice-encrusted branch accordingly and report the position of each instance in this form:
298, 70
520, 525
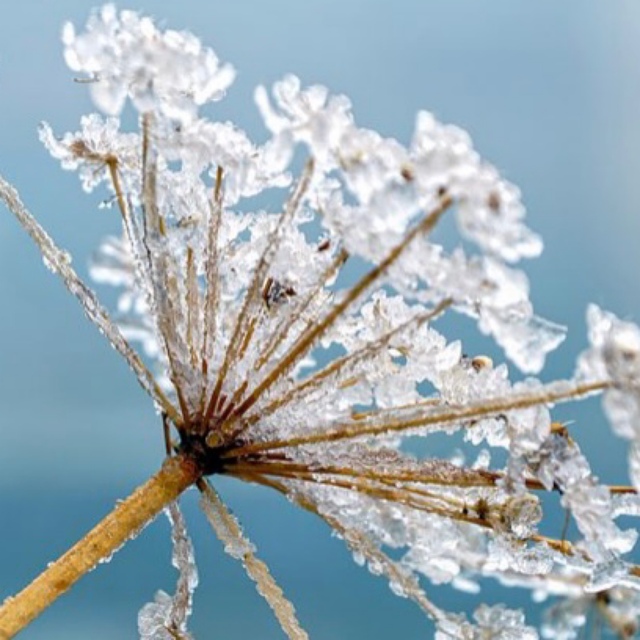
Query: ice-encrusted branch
401, 582
59, 262
315, 331
166, 617
122, 524
410, 418
237, 546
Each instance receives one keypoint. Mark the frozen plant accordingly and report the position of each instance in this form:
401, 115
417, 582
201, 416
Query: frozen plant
268, 363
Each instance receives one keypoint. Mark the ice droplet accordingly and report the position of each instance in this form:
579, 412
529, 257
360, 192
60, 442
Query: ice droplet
61, 258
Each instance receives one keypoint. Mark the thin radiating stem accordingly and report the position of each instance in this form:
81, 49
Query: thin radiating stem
59, 262
236, 544
162, 269
449, 476
192, 305
328, 373
212, 273
428, 502
358, 542
287, 323
318, 329
561, 546
245, 317
112, 167
184, 561
550, 394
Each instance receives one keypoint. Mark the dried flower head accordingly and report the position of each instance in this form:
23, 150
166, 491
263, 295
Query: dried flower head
276, 357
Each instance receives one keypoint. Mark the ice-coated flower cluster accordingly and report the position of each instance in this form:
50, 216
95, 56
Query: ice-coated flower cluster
277, 357
129, 58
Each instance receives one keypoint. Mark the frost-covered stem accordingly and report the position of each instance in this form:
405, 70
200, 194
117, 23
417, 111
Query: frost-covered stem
230, 534
567, 548
315, 331
112, 166
409, 587
404, 583
288, 323
59, 263
463, 479
212, 276
550, 394
242, 332
123, 523
389, 488
468, 478
161, 266
327, 373
414, 498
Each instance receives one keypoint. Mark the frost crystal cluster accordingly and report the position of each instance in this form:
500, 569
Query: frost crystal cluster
298, 346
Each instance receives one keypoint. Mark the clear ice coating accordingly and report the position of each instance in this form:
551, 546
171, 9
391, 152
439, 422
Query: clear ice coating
495, 623
614, 355
166, 617
260, 335
128, 57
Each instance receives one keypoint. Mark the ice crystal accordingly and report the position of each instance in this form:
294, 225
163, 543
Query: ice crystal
615, 354
166, 617
491, 623
274, 366
616, 608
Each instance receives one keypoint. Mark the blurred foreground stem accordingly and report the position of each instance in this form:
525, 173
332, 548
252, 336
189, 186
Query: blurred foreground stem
122, 524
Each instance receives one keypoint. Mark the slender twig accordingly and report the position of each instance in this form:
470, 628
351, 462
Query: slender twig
257, 280
421, 500
283, 329
162, 269
360, 543
550, 394
455, 477
317, 330
58, 261
192, 305
212, 278
561, 546
328, 373
112, 167
232, 537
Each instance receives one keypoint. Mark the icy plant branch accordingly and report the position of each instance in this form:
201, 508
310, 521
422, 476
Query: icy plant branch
120, 526
277, 358
237, 546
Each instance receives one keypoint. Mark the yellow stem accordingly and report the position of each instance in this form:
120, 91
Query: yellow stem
122, 524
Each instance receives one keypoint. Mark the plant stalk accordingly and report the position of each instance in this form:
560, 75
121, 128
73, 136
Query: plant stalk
122, 524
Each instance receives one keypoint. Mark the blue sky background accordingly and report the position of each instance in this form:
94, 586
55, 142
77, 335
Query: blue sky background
550, 92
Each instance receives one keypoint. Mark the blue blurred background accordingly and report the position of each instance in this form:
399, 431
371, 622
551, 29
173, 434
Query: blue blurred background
550, 93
